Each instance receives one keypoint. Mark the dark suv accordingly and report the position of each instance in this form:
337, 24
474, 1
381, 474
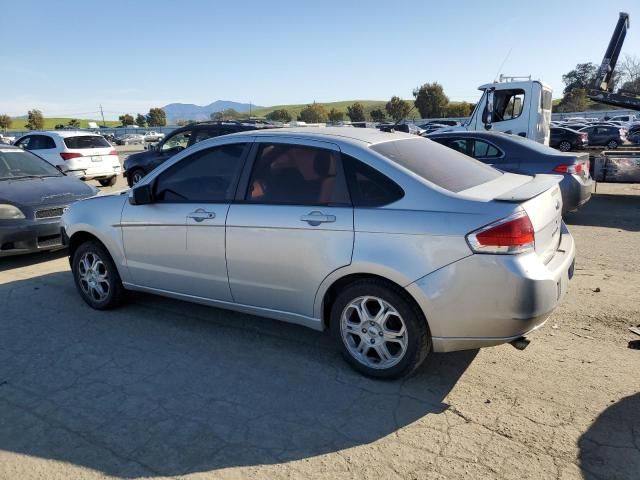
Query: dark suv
136, 166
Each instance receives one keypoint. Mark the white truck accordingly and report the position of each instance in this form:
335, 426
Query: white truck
516, 105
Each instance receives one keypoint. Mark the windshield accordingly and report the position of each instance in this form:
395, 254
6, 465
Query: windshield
86, 141
441, 165
20, 164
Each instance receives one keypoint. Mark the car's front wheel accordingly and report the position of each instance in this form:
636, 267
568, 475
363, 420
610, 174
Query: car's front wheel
564, 146
135, 176
380, 332
96, 276
612, 145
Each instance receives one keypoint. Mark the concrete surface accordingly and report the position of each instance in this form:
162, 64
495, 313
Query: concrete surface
165, 388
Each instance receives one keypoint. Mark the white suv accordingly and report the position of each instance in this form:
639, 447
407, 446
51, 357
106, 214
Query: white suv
81, 154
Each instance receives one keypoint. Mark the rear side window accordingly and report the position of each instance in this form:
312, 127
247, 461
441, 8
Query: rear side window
368, 187
437, 164
86, 141
297, 175
203, 134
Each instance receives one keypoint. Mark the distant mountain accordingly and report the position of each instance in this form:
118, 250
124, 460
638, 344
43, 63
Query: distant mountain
189, 111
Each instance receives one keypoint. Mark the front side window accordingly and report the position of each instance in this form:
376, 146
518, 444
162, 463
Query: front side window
297, 175
207, 176
86, 141
177, 142
24, 142
508, 104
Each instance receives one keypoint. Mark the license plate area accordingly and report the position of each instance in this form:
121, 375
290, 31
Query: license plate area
96, 159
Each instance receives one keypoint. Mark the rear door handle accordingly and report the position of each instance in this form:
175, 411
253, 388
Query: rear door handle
200, 214
315, 218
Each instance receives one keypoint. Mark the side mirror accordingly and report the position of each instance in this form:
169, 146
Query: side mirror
142, 195
487, 114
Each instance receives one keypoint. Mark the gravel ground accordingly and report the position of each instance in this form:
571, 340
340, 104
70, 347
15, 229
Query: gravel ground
165, 388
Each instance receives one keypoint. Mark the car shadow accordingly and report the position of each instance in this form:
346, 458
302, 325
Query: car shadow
611, 446
21, 261
163, 387
607, 210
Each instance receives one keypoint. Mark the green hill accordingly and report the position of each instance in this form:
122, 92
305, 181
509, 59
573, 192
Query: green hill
50, 123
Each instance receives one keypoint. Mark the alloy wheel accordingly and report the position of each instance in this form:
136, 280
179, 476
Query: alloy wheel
564, 146
374, 333
93, 276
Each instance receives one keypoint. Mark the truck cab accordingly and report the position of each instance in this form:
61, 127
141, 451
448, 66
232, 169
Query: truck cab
520, 107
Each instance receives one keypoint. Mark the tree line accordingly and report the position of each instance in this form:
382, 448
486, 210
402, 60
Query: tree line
430, 101
35, 120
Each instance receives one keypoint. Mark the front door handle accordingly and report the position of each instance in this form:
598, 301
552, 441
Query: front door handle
201, 214
315, 218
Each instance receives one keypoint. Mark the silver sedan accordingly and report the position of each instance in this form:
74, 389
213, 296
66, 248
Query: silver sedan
397, 244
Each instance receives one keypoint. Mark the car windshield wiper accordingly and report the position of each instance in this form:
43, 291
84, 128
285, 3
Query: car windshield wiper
26, 177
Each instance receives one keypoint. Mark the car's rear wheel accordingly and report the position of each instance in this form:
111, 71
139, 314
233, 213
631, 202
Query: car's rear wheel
96, 276
108, 182
380, 332
612, 145
135, 176
564, 146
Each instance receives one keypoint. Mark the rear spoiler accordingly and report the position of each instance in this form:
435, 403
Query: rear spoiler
538, 184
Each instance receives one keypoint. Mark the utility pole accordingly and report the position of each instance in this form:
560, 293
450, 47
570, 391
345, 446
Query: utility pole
102, 113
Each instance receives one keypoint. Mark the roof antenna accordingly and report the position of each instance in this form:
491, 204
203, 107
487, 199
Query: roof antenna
502, 64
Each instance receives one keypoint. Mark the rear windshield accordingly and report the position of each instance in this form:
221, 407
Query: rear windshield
438, 164
86, 141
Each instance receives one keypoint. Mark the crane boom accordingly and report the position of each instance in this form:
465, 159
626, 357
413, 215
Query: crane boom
600, 90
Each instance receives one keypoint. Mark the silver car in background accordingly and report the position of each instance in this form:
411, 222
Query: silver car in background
397, 244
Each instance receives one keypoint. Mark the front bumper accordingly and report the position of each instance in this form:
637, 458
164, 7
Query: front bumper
485, 300
30, 236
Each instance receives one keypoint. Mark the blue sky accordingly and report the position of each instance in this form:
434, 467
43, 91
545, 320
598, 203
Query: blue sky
67, 57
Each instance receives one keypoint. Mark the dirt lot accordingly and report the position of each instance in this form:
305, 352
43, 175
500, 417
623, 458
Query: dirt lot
164, 388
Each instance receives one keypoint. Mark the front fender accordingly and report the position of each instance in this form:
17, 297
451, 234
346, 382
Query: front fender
100, 217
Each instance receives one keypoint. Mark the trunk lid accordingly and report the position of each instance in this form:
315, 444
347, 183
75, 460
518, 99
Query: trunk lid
539, 196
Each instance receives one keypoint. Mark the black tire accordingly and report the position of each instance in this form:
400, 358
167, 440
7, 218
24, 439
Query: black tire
108, 182
418, 334
116, 291
134, 176
564, 146
612, 145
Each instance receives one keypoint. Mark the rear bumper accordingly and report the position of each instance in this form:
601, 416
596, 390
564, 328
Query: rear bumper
87, 170
576, 191
485, 300
30, 236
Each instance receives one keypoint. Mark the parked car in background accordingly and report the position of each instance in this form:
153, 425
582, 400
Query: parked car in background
6, 139
401, 127
130, 139
397, 244
512, 153
606, 136
566, 139
152, 136
138, 165
81, 154
625, 118
33, 195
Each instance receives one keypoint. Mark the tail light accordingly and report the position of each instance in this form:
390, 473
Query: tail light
69, 155
569, 168
113, 152
510, 235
